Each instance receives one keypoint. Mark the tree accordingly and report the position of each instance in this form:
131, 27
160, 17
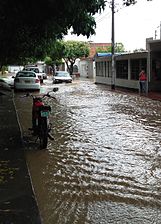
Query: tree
129, 2
56, 54
48, 61
139, 50
119, 47
73, 50
29, 27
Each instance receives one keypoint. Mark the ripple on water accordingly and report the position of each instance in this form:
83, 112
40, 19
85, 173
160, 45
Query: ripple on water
105, 162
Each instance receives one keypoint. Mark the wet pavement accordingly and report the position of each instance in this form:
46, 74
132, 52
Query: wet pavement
17, 199
104, 164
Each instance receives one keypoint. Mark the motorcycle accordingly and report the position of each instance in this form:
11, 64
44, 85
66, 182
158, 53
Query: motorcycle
41, 125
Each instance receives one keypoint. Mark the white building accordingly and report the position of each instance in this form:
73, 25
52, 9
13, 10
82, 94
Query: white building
128, 66
15, 68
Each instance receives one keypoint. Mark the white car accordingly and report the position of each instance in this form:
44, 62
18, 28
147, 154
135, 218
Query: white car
9, 80
41, 75
62, 76
26, 80
4, 85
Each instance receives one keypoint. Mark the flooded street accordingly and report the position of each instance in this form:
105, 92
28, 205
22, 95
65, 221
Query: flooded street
104, 166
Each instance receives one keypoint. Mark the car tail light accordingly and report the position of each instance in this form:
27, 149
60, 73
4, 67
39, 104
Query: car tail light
37, 80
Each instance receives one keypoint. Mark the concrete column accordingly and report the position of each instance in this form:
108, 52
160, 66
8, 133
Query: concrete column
129, 69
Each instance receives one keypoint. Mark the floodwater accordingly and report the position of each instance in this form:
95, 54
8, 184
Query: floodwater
104, 165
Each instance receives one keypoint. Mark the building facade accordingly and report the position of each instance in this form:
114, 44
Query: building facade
128, 66
87, 65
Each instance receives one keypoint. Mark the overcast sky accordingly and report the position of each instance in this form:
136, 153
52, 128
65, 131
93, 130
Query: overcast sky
133, 24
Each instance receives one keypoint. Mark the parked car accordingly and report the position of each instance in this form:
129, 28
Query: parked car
41, 75
26, 80
4, 85
62, 76
9, 80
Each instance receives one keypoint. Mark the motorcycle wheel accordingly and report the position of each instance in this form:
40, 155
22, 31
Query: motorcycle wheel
43, 134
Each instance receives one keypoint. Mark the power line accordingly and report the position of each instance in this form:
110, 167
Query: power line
107, 15
117, 8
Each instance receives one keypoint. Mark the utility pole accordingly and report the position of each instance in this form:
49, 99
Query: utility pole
155, 34
113, 69
160, 29
113, 48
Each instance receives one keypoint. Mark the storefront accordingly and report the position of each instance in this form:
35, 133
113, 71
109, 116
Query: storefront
154, 62
128, 66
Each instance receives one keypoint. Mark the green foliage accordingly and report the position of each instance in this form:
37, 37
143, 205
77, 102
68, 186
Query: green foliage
48, 61
29, 27
131, 2
73, 50
3, 69
119, 47
104, 49
56, 51
139, 50
69, 51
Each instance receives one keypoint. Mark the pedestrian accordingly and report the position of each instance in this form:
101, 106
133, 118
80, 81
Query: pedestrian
142, 81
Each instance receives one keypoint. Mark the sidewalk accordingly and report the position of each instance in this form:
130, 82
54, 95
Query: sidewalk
154, 95
17, 202
151, 95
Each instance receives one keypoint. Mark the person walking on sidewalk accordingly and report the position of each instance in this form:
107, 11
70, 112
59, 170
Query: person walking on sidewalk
142, 81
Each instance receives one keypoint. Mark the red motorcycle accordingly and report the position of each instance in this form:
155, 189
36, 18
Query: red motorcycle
41, 125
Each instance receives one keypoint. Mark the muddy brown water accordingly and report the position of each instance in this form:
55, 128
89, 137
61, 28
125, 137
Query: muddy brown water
104, 165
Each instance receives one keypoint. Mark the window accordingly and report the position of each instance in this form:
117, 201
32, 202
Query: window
25, 74
136, 66
122, 69
103, 68
107, 69
99, 68
36, 70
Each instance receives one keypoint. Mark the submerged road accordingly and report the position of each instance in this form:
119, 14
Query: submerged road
104, 165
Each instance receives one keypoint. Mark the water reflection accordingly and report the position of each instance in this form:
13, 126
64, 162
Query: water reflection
105, 163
